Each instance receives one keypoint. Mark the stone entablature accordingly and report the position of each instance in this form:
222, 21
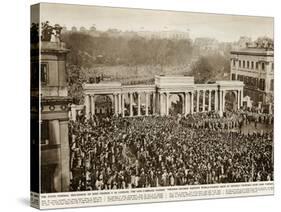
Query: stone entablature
102, 88
173, 80
157, 96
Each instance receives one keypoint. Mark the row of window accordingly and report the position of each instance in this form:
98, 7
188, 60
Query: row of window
251, 64
253, 82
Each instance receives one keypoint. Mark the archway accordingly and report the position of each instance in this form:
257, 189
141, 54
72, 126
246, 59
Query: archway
176, 104
104, 105
231, 101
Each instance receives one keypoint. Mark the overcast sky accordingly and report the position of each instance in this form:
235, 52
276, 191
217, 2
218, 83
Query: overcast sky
221, 27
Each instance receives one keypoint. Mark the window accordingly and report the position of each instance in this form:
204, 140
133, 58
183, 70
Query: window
246, 80
262, 66
257, 65
252, 81
248, 64
233, 62
256, 82
243, 63
252, 65
242, 78
239, 63
44, 73
262, 84
272, 66
233, 77
44, 133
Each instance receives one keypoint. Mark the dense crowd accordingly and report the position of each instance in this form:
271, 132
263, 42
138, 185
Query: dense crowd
229, 120
136, 152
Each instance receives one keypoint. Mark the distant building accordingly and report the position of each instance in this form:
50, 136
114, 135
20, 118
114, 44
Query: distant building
254, 66
166, 34
205, 44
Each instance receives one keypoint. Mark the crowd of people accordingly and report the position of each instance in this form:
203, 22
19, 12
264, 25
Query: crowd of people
153, 151
230, 120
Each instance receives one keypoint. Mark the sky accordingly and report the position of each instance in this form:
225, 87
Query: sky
226, 28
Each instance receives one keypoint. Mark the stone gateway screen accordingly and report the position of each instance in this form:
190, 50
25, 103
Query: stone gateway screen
134, 105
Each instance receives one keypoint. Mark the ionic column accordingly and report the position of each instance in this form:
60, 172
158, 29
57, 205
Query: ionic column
197, 103
153, 103
216, 100
167, 103
238, 99
161, 106
191, 102
131, 104
185, 104
93, 105
146, 104
220, 100
87, 105
223, 100
220, 103
115, 104
209, 103
119, 103
123, 105
242, 97
204, 98
139, 111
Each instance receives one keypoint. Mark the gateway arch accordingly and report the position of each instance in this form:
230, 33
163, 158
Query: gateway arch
196, 97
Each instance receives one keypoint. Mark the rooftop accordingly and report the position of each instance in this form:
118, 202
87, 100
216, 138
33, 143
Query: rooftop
254, 51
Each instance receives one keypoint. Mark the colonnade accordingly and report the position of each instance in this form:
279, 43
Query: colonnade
216, 98
200, 99
118, 101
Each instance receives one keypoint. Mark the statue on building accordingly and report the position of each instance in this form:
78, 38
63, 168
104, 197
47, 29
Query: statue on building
51, 33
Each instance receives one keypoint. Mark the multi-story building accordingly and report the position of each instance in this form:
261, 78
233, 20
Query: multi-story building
167, 34
254, 66
50, 68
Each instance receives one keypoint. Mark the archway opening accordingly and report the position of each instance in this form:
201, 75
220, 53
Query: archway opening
176, 104
103, 105
231, 101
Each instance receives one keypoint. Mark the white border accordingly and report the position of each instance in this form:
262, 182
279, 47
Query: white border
15, 114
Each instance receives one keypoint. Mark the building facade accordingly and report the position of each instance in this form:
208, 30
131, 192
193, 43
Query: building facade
54, 117
255, 67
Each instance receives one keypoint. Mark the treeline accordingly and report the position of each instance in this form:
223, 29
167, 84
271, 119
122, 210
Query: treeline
87, 50
210, 68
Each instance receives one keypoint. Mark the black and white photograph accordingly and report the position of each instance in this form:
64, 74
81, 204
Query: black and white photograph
135, 99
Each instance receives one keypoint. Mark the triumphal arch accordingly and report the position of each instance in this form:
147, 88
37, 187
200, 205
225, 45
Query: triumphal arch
137, 100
